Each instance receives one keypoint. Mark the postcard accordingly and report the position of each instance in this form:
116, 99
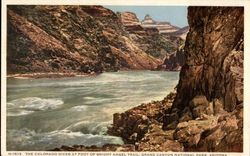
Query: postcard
109, 78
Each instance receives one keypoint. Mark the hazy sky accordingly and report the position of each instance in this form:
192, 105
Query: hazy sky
176, 15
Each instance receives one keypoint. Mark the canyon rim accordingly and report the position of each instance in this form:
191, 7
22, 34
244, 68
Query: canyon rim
101, 78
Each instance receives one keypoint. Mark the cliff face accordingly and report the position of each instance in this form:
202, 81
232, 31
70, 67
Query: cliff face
70, 39
206, 113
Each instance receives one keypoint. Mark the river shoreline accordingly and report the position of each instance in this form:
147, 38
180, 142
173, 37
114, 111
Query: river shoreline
49, 75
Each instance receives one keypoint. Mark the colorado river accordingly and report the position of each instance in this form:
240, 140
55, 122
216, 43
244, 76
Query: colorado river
46, 113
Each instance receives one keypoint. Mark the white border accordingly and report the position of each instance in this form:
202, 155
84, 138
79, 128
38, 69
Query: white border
131, 2
244, 3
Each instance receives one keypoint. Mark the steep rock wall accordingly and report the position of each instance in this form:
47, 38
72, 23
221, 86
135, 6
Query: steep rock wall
215, 35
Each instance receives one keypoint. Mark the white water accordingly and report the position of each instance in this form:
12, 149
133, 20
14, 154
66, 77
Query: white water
46, 113
24, 106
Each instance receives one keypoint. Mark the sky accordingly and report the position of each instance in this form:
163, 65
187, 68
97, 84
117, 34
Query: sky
176, 15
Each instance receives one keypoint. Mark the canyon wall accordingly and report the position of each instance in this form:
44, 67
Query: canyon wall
70, 39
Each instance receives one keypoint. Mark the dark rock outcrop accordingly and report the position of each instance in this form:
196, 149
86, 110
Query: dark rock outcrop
70, 39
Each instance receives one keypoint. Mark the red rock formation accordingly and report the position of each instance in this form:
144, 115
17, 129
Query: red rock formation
129, 18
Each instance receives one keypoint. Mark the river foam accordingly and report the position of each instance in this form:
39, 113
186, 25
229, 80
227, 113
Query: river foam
27, 105
79, 108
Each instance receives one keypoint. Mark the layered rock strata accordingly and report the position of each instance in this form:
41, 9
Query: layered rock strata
163, 27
